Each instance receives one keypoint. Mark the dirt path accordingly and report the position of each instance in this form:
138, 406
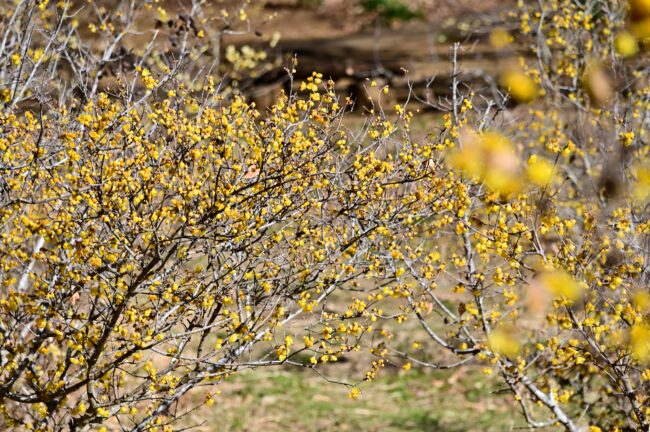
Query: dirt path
336, 18
414, 58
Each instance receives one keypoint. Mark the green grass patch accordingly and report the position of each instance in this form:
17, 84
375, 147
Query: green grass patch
397, 401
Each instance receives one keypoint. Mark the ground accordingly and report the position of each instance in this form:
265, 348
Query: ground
270, 400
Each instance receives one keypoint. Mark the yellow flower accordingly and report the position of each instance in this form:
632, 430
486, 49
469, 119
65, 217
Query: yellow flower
627, 138
640, 342
540, 171
491, 157
597, 83
79, 409
561, 284
641, 29
626, 44
641, 301
502, 341
641, 187
520, 85
500, 38
148, 80
354, 393
162, 14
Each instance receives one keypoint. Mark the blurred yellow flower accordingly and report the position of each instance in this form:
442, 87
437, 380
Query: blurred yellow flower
489, 157
641, 301
520, 85
640, 342
626, 44
597, 84
641, 29
641, 187
561, 284
502, 341
500, 38
540, 171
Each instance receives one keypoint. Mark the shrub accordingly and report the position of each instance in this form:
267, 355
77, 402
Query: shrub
537, 267
157, 235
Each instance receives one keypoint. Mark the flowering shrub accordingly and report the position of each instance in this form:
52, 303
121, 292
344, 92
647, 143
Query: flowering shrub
154, 233
159, 232
537, 266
